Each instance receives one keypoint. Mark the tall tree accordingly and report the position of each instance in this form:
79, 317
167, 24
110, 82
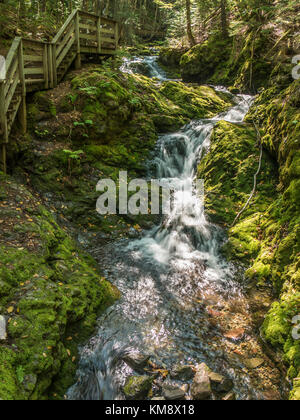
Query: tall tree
189, 23
224, 22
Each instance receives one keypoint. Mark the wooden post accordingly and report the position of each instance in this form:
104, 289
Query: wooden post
45, 66
50, 65
54, 64
77, 36
116, 35
22, 114
3, 122
99, 35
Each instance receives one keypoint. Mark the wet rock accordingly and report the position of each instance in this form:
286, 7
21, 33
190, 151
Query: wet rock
236, 334
201, 387
136, 360
182, 372
137, 387
229, 397
173, 391
219, 383
253, 363
3, 334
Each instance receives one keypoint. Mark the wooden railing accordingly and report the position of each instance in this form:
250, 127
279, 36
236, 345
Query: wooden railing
35, 65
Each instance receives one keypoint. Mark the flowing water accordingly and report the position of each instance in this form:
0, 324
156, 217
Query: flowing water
168, 280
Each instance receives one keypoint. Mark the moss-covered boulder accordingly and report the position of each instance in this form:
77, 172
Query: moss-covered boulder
245, 61
137, 387
51, 296
201, 62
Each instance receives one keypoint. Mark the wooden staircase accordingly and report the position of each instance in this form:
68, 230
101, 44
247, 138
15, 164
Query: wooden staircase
35, 65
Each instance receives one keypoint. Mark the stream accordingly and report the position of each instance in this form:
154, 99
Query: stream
174, 283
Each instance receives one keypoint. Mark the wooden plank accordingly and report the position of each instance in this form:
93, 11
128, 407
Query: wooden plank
65, 52
108, 40
77, 37
12, 53
108, 32
91, 28
3, 118
45, 66
88, 37
99, 35
64, 27
13, 115
22, 111
12, 73
86, 49
11, 93
50, 66
65, 41
88, 14
54, 46
33, 70
31, 81
33, 58
68, 66
116, 35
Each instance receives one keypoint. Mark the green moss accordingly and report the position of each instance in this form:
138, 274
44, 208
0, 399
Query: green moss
137, 387
267, 236
9, 387
49, 294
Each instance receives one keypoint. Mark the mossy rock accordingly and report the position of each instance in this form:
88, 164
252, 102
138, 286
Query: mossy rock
137, 387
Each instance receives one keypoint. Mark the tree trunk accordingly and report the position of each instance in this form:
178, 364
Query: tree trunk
189, 23
224, 23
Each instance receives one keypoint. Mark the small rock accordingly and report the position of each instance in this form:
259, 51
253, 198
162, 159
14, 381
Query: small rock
230, 397
236, 335
136, 360
158, 399
137, 387
172, 392
3, 334
253, 363
201, 387
219, 383
182, 372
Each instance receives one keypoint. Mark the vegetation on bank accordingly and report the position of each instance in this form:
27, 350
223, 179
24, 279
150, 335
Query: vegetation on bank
51, 294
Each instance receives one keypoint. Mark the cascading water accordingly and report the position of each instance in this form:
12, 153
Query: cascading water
146, 65
167, 279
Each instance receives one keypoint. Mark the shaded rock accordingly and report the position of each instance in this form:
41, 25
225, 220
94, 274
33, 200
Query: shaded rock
182, 372
201, 387
137, 387
229, 397
173, 391
253, 363
219, 383
136, 360
3, 334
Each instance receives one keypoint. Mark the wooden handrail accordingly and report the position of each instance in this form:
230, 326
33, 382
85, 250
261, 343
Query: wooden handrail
64, 27
33, 65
